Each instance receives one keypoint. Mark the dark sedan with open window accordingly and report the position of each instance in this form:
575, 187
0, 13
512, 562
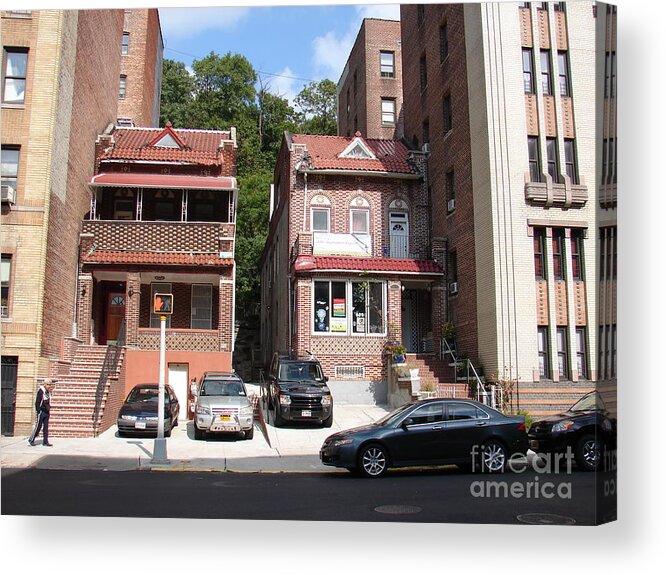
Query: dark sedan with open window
430, 432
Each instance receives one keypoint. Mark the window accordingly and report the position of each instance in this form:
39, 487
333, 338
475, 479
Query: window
426, 131
450, 186
5, 275
122, 90
388, 112
542, 5
533, 154
331, 309
202, 306
528, 71
558, 254
155, 317
551, 158
443, 42
453, 266
10, 164
125, 46
544, 356
563, 67
539, 253
360, 222
367, 307
320, 220
387, 64
524, 5
577, 255
559, 7
420, 14
447, 114
581, 352
570, 160
423, 72
428, 413
14, 72
562, 352
546, 85
460, 411
608, 162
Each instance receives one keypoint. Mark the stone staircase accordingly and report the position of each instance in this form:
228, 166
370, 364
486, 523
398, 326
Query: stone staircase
439, 373
548, 398
73, 401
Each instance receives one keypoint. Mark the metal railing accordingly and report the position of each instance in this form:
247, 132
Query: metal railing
110, 366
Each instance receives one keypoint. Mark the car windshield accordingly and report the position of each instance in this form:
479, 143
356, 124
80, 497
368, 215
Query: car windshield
301, 371
229, 387
394, 415
590, 402
145, 394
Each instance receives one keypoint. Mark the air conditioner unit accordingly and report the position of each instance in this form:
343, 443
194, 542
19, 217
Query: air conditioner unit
8, 194
425, 148
451, 205
453, 288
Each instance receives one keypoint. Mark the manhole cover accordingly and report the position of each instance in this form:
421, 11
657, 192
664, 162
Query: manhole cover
546, 519
398, 509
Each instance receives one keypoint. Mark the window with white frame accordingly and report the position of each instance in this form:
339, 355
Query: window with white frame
14, 75
202, 306
360, 222
320, 220
387, 64
155, 317
349, 307
388, 112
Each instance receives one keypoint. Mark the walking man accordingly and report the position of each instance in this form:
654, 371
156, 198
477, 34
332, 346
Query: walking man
43, 408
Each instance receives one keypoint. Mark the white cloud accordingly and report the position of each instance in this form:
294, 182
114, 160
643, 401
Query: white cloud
330, 51
284, 84
188, 22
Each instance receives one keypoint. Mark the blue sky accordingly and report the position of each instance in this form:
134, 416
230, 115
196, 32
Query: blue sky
297, 43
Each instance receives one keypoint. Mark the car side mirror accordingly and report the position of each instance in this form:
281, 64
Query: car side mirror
326, 379
406, 423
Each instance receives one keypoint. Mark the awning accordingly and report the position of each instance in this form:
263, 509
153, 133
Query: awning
133, 180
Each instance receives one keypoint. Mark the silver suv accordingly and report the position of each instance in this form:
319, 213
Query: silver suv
222, 406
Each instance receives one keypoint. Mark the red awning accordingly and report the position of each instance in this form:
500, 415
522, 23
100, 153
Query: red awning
162, 181
306, 263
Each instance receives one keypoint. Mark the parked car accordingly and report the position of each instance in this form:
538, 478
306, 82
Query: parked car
138, 414
586, 428
222, 406
297, 390
429, 432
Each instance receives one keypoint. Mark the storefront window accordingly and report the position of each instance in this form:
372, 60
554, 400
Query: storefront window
332, 312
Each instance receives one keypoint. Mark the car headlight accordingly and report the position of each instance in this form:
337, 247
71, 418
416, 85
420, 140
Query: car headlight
246, 411
326, 400
339, 442
128, 417
203, 410
285, 400
565, 425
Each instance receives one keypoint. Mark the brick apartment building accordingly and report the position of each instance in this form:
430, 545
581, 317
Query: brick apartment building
55, 63
349, 263
369, 91
511, 100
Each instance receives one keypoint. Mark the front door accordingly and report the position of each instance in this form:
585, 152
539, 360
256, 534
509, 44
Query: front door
8, 393
399, 235
178, 380
115, 313
410, 338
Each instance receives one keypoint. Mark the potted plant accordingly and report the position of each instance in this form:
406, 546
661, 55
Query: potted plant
427, 389
397, 351
449, 332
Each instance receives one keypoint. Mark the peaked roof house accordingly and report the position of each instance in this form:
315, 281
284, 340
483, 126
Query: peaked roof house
349, 263
162, 220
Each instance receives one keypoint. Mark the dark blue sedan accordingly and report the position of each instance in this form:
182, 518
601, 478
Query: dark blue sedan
430, 432
138, 415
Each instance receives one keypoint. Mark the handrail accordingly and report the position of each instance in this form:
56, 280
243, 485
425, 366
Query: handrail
481, 393
110, 365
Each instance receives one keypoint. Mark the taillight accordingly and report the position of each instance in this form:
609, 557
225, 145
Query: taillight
521, 426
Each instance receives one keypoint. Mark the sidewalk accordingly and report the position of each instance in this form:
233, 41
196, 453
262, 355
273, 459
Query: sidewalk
292, 449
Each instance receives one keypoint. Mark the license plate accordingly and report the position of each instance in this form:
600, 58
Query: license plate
139, 425
306, 413
225, 418
224, 428
534, 444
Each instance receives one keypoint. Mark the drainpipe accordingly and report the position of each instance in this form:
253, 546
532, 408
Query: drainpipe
75, 323
289, 317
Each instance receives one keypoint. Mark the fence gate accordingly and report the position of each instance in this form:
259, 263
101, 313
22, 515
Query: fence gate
8, 393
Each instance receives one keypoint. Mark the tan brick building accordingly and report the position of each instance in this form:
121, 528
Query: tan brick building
370, 88
55, 63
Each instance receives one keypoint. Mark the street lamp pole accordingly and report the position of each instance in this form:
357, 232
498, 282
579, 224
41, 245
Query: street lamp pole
160, 449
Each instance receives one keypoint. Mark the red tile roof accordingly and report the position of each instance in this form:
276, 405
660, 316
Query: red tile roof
159, 258
201, 146
131, 179
392, 155
332, 263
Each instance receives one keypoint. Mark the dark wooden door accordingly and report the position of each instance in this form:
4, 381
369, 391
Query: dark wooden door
115, 313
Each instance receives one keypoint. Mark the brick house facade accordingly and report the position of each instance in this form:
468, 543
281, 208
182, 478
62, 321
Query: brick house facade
349, 264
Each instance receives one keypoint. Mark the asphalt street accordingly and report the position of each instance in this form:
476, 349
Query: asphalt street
434, 495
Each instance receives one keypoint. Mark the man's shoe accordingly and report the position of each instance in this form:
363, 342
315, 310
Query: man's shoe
31, 443
47, 444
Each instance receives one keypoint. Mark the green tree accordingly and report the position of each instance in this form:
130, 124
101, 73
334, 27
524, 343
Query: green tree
317, 102
177, 92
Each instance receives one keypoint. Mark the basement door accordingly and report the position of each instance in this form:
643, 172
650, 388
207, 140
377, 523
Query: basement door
8, 393
178, 379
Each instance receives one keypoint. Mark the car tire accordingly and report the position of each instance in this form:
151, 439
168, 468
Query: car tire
198, 433
249, 434
373, 461
589, 452
122, 434
494, 457
328, 422
278, 420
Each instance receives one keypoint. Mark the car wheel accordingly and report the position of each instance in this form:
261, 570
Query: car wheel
278, 420
122, 434
328, 422
198, 433
373, 461
249, 434
588, 452
493, 457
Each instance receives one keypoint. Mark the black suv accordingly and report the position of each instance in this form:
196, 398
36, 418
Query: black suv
297, 391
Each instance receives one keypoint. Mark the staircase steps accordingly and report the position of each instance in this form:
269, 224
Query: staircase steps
439, 374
